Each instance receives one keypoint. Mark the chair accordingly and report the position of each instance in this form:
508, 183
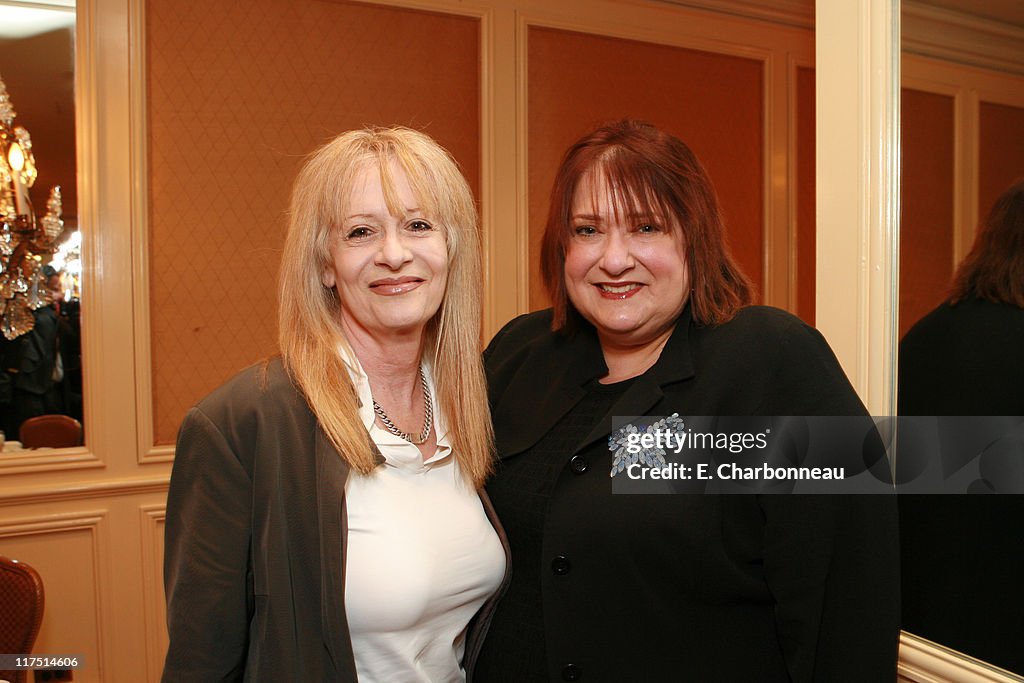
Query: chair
55, 431
21, 611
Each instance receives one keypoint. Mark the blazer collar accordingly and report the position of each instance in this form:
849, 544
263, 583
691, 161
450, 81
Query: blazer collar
552, 380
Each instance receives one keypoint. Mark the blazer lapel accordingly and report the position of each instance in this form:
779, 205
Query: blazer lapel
536, 400
674, 365
331, 473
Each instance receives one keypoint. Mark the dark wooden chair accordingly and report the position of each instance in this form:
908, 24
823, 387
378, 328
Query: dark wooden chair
21, 611
55, 431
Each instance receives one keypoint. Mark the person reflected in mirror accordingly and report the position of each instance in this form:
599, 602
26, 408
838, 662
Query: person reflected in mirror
963, 555
325, 519
965, 358
650, 317
30, 385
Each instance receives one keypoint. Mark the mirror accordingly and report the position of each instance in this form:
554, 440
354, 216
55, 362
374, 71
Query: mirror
37, 64
962, 117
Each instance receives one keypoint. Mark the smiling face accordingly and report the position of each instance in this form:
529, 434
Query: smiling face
390, 271
625, 273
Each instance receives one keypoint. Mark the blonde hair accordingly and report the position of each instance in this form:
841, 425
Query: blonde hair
309, 328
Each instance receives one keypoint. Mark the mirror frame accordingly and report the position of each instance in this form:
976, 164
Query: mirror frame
84, 80
857, 181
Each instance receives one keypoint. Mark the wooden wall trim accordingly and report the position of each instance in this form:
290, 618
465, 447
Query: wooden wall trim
963, 38
87, 104
799, 13
48, 460
78, 490
151, 519
857, 191
146, 451
104, 194
922, 661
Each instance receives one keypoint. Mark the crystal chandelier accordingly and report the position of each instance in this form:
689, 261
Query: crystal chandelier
23, 239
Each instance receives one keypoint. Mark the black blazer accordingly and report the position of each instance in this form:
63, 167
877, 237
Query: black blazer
964, 359
962, 555
698, 587
255, 541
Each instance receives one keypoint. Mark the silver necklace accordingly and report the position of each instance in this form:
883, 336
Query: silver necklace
428, 417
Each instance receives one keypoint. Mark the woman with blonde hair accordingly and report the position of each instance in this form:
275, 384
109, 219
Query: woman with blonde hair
325, 519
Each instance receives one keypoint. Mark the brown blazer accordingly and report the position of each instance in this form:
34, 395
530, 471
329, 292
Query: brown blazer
255, 541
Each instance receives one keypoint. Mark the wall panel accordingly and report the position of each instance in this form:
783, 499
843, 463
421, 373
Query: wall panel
714, 102
66, 552
926, 223
1000, 151
235, 101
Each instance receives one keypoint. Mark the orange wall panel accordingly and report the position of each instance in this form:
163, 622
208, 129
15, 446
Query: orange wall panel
235, 102
1000, 154
713, 102
926, 221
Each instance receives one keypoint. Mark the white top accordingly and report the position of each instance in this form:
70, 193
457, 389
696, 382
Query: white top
422, 556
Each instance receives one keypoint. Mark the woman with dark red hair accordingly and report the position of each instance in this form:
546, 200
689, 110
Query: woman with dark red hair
650, 317
966, 357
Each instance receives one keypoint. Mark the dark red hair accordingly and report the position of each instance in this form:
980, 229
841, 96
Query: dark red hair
994, 268
653, 173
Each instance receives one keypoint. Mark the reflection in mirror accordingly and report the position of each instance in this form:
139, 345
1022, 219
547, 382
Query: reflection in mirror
962, 319
40, 372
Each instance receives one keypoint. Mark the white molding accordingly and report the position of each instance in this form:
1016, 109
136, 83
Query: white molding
735, 37
107, 324
857, 161
51, 5
151, 529
798, 13
47, 460
79, 490
962, 38
87, 104
922, 661
146, 451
